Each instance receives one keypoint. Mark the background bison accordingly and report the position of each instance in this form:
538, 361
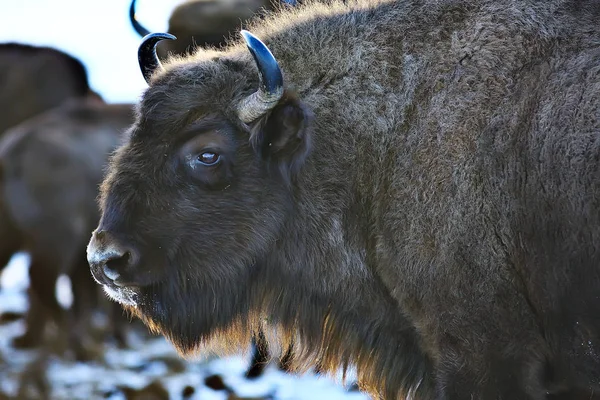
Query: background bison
411, 186
35, 79
199, 23
50, 169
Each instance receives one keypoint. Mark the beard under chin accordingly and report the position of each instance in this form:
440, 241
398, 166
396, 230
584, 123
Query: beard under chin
191, 314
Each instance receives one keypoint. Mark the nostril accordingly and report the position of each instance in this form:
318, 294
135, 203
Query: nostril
111, 261
110, 273
116, 265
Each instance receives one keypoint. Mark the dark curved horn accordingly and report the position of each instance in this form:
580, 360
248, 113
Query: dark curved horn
134, 22
147, 57
270, 88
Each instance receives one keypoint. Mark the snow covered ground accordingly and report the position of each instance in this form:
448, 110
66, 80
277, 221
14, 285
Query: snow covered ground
148, 360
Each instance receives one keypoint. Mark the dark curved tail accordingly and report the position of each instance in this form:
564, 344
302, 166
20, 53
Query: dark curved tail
136, 25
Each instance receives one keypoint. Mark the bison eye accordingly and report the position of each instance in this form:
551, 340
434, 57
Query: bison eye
208, 158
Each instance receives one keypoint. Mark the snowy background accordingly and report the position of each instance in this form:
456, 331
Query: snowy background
100, 35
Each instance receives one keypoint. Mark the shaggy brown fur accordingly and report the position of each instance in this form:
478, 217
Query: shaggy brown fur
35, 79
424, 202
50, 169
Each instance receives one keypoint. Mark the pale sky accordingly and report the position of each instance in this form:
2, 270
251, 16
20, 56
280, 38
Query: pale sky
97, 32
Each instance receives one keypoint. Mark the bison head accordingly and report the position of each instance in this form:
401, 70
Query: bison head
200, 190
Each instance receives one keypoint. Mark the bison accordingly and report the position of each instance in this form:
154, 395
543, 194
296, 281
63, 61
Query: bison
50, 169
411, 187
205, 22
35, 79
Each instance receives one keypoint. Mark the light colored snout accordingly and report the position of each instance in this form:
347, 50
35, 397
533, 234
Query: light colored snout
107, 258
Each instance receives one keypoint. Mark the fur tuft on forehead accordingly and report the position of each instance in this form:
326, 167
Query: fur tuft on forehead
187, 91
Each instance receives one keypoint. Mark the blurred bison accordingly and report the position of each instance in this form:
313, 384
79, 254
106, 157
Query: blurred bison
50, 169
199, 23
409, 186
35, 79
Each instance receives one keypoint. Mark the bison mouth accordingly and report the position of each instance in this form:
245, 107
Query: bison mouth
188, 311
126, 296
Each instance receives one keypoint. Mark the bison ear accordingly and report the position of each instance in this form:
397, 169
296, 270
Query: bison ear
283, 135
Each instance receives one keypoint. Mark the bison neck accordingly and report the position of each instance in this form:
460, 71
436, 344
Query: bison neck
317, 288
